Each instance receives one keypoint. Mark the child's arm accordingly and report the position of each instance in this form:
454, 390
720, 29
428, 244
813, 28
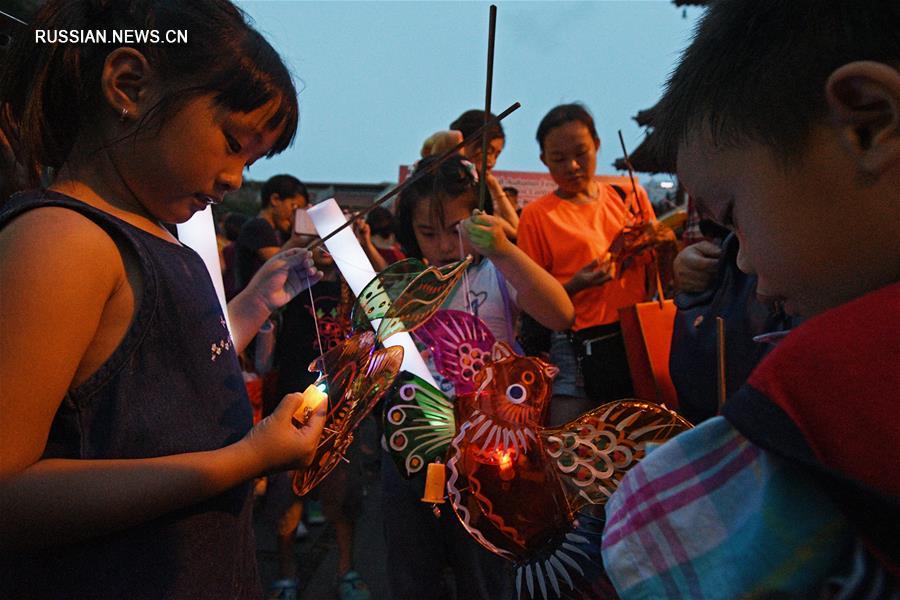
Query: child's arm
364, 235
502, 206
55, 501
275, 284
62, 314
538, 293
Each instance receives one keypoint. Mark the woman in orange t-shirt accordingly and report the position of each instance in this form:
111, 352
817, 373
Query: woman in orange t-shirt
569, 232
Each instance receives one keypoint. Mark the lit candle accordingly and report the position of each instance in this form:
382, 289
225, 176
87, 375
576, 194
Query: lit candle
434, 484
313, 397
505, 462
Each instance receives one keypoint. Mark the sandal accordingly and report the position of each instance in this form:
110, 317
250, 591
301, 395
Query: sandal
283, 589
352, 587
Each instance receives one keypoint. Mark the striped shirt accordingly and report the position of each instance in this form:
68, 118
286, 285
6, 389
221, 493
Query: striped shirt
710, 515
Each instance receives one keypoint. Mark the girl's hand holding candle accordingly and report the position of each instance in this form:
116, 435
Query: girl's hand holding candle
313, 396
287, 439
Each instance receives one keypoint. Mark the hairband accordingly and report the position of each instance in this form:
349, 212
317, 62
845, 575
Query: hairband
471, 169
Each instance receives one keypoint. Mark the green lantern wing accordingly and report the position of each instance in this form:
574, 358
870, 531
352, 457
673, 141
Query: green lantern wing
418, 423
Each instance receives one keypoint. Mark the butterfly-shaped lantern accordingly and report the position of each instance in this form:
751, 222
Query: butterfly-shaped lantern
357, 374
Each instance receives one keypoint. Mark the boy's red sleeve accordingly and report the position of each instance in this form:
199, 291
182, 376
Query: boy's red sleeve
837, 376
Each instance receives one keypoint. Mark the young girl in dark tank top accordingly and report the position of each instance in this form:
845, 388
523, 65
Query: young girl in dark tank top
125, 437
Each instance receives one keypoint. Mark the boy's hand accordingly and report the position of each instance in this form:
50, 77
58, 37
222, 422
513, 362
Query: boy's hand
284, 276
284, 441
485, 233
695, 267
597, 272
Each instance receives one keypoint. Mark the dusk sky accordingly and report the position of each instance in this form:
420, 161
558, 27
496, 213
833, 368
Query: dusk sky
376, 78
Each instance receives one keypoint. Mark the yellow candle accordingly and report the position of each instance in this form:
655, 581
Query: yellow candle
434, 484
312, 398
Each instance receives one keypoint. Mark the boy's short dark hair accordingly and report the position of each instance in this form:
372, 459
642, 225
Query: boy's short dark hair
562, 114
469, 122
285, 186
232, 225
756, 69
380, 221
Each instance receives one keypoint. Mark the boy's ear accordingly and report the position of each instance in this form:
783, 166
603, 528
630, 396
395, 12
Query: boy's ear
864, 100
544, 160
126, 83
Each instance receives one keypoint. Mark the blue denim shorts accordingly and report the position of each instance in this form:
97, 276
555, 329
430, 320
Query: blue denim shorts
569, 382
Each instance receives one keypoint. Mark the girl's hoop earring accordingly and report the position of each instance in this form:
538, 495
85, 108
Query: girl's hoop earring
123, 115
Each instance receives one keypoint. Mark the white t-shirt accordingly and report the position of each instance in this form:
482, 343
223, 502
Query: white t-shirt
485, 301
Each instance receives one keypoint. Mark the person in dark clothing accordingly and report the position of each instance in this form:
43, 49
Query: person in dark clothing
232, 225
384, 238
731, 294
263, 237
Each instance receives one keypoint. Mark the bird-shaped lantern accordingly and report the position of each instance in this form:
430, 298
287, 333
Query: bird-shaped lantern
530, 493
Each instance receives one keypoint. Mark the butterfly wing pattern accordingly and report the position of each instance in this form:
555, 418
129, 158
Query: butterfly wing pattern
375, 299
421, 298
357, 377
418, 423
405, 295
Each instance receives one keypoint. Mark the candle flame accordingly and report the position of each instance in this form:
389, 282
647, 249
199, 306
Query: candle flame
505, 462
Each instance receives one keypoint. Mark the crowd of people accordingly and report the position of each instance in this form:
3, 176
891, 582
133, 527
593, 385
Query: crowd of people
131, 463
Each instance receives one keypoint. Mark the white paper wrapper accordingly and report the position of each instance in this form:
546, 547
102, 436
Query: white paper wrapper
199, 233
357, 271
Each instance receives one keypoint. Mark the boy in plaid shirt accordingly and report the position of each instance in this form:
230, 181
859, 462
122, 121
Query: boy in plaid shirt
785, 117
